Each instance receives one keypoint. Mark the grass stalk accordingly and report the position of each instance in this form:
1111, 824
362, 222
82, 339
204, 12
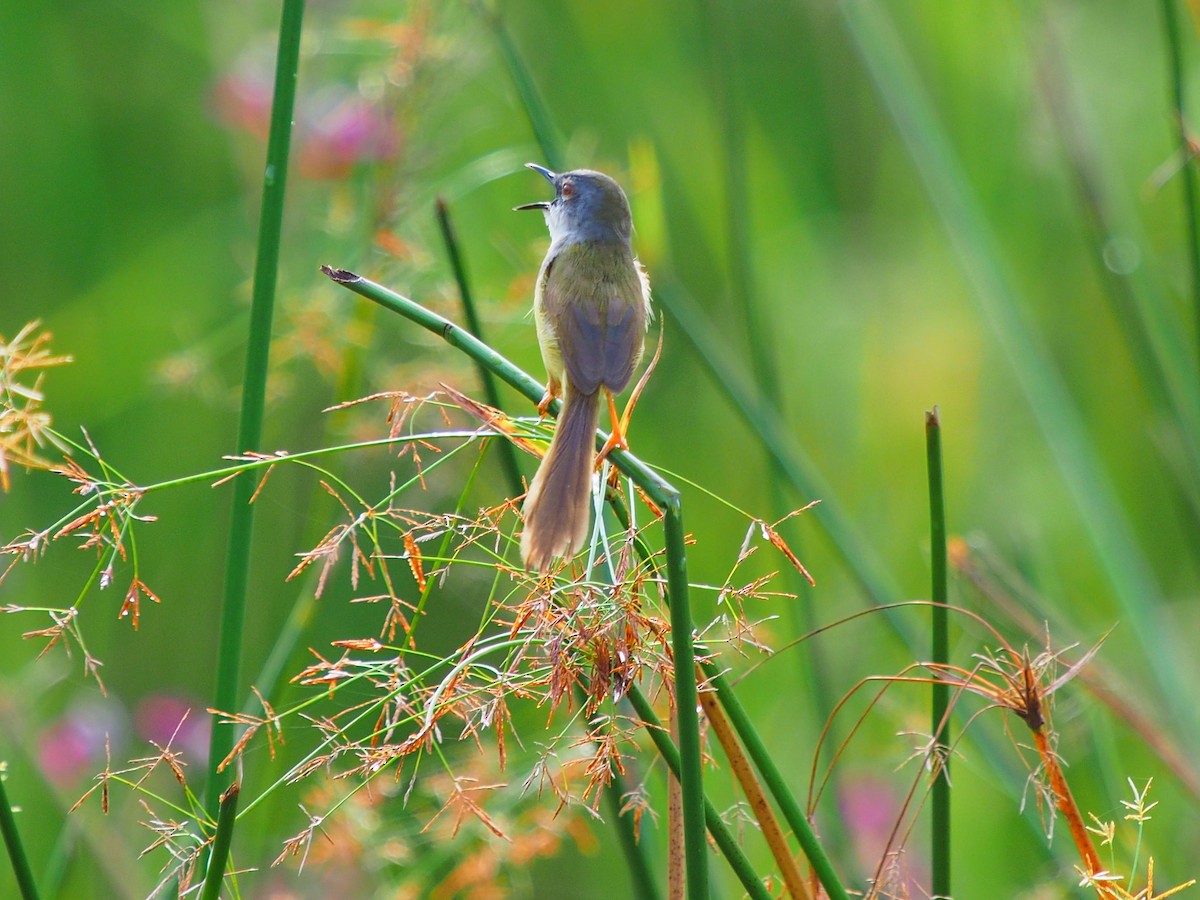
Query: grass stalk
737, 214
531, 101
16, 849
757, 751
664, 495
641, 871
1158, 349
687, 717
1187, 175
222, 841
227, 694
940, 793
508, 453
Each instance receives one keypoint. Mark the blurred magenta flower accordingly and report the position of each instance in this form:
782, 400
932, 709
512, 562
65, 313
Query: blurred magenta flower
72, 747
342, 130
870, 808
336, 128
169, 719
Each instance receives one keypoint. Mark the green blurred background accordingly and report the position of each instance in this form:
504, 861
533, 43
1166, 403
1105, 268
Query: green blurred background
872, 207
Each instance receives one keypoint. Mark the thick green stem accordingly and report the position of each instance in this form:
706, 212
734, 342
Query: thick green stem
227, 695
508, 453
687, 715
222, 841
940, 798
16, 850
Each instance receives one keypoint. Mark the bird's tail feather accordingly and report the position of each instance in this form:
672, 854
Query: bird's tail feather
559, 499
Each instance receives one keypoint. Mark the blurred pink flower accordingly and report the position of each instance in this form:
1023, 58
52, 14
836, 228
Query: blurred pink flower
870, 808
72, 747
335, 128
348, 132
169, 719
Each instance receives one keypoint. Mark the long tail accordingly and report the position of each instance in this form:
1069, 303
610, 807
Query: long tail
559, 499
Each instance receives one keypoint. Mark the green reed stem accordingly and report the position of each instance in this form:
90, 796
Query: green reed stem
227, 695
774, 780
687, 713
508, 453
755, 748
664, 495
940, 794
531, 101
16, 849
222, 841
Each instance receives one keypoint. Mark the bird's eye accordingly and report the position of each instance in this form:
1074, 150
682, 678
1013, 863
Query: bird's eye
567, 190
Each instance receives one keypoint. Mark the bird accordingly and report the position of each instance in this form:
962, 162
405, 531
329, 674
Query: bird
591, 307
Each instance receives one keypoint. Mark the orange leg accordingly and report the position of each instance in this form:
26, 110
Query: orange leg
553, 389
620, 424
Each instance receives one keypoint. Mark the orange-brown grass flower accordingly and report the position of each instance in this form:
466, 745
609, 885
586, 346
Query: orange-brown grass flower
1018, 681
1007, 595
24, 424
269, 722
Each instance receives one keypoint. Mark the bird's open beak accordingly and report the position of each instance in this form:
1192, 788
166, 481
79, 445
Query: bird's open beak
549, 176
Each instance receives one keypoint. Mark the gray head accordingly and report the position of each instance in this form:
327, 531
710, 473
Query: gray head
587, 206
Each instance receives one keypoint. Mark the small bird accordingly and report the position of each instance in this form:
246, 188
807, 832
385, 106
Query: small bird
591, 307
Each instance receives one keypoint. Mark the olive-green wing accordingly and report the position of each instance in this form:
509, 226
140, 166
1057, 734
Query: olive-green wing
593, 300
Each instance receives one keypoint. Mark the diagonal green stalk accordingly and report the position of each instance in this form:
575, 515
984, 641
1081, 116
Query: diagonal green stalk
222, 841
940, 794
737, 216
1188, 172
16, 849
531, 101
227, 694
1105, 524
665, 496
774, 780
508, 453
755, 748
1157, 347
